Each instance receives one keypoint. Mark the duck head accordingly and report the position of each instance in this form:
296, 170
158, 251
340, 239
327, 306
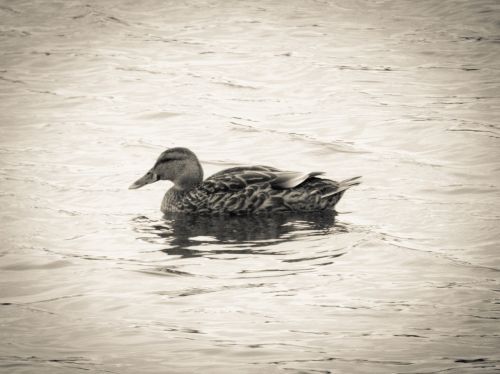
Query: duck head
179, 165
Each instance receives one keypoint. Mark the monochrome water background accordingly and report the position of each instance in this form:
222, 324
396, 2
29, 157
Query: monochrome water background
405, 279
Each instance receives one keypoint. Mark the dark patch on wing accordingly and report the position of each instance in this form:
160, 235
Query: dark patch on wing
323, 186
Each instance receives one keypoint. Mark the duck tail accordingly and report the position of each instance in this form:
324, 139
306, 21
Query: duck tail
344, 185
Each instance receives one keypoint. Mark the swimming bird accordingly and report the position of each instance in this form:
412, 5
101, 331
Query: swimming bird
240, 190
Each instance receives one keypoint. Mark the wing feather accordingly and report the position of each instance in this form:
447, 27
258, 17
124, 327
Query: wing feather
343, 185
290, 179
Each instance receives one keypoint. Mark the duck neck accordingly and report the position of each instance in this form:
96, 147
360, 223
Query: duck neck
191, 178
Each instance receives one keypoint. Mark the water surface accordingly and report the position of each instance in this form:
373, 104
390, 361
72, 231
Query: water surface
404, 279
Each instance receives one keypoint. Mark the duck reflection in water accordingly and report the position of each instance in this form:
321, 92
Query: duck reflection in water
235, 234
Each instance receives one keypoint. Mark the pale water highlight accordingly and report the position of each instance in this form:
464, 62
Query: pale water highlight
404, 279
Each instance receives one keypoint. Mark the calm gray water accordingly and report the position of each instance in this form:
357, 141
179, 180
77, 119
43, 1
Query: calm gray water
405, 279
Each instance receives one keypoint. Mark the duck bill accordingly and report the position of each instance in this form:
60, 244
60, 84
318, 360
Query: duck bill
148, 178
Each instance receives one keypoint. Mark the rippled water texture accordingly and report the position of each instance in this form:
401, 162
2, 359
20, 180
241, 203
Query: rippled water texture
405, 279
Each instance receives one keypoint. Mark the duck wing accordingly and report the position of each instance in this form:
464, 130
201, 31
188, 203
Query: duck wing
238, 178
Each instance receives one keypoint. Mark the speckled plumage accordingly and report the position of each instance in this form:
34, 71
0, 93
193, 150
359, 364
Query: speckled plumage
241, 190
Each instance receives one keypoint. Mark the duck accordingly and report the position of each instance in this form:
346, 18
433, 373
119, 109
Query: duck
240, 190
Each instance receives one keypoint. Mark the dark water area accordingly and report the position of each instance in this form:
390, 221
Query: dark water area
404, 278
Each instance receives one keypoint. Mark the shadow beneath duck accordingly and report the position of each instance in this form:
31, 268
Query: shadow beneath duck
233, 234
